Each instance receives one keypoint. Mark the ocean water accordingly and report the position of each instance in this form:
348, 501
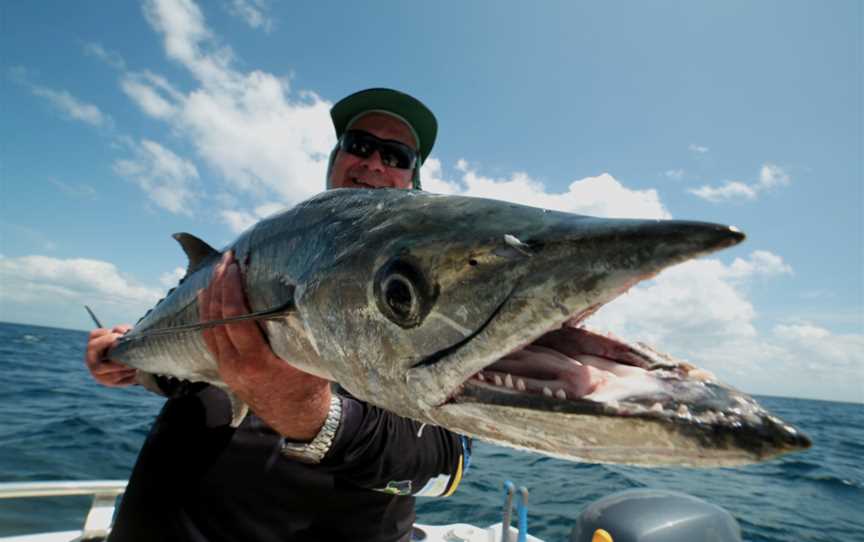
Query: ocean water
57, 424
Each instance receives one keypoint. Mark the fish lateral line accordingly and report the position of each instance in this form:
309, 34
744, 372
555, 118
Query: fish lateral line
269, 314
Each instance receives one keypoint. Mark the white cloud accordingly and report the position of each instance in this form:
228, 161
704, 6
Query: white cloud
144, 90
72, 107
171, 278
729, 190
602, 195
67, 104
79, 190
432, 177
697, 148
819, 362
239, 220
694, 301
800, 332
253, 12
761, 263
265, 141
34, 286
32, 278
31, 237
111, 58
675, 174
770, 176
182, 24
166, 178
701, 299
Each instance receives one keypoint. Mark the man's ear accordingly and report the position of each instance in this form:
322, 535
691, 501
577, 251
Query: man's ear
328, 182
415, 179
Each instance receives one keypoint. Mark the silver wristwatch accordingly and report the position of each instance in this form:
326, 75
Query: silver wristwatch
314, 451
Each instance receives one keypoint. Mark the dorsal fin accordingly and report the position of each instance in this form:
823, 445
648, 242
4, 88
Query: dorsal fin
197, 250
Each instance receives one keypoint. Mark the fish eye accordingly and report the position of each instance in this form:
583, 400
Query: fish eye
403, 294
400, 297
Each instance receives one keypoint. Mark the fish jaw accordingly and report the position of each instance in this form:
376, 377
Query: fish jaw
638, 406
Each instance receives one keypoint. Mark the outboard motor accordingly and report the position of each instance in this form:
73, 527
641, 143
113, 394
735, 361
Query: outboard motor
653, 515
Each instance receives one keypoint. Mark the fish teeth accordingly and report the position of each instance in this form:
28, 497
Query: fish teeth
480, 377
546, 391
656, 407
508, 381
520, 384
498, 381
561, 394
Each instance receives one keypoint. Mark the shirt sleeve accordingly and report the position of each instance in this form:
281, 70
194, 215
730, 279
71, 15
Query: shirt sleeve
379, 450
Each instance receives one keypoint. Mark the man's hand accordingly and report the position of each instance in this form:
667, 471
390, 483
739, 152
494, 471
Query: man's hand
105, 371
292, 402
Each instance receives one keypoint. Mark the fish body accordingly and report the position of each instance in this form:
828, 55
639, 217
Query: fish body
469, 313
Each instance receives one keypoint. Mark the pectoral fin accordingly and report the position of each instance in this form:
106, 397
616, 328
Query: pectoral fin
239, 409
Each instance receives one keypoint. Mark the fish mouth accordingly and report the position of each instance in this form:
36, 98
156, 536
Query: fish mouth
574, 370
577, 370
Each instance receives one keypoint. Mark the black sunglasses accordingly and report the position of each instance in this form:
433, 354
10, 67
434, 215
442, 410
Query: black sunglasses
393, 154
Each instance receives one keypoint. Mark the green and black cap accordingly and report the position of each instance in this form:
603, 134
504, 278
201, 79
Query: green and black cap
415, 114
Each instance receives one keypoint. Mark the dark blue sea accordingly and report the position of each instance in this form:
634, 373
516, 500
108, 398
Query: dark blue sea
57, 424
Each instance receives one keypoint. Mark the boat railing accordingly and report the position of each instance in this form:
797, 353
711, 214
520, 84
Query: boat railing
104, 492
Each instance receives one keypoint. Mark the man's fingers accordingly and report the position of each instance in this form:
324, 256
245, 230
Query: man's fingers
207, 311
110, 367
128, 380
246, 335
233, 301
119, 379
100, 341
226, 350
207, 334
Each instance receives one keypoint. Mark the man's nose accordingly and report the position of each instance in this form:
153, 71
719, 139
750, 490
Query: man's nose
374, 161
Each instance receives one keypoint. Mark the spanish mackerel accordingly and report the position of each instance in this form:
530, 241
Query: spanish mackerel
469, 314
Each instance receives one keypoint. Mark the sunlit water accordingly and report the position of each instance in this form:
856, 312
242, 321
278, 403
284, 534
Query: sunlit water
57, 424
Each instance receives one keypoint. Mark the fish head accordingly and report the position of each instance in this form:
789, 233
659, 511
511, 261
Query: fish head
469, 313
410, 276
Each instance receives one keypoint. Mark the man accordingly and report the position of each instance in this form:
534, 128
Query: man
309, 464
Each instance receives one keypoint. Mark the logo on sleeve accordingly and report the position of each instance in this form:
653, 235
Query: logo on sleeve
397, 487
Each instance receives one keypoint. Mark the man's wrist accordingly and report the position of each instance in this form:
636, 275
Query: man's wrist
314, 451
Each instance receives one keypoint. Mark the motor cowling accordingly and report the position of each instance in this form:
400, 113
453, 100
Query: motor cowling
653, 515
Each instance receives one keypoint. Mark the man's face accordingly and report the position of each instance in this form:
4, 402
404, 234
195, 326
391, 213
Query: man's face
351, 171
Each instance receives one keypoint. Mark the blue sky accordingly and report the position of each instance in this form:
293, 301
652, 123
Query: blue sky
122, 123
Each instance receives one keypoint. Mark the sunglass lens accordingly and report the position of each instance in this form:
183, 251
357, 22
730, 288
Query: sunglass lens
393, 154
357, 145
395, 157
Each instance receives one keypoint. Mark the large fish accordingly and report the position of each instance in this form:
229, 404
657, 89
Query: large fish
467, 313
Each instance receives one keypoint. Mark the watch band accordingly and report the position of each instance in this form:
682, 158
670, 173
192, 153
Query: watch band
313, 452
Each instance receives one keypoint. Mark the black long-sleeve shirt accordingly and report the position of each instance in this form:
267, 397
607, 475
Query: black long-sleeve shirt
198, 479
